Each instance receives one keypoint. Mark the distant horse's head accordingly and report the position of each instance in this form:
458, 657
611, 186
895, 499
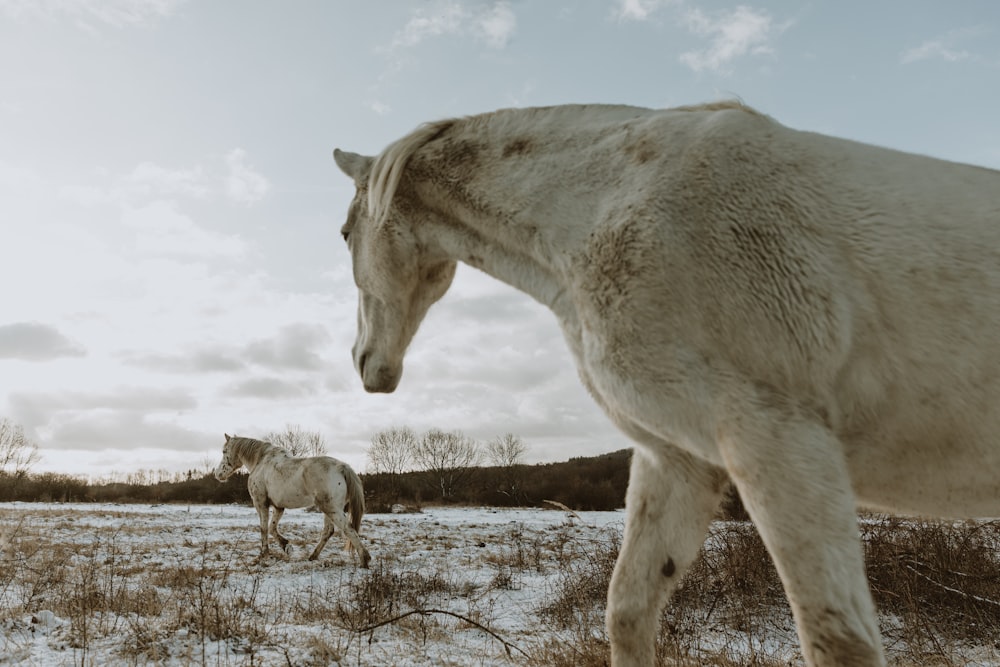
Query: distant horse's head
229, 463
399, 275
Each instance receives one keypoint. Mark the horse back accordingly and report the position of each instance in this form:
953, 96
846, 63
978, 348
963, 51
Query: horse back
861, 283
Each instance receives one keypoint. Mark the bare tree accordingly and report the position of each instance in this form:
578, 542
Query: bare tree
17, 452
448, 457
391, 454
507, 453
392, 450
297, 441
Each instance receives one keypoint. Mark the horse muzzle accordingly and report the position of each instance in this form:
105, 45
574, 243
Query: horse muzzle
376, 376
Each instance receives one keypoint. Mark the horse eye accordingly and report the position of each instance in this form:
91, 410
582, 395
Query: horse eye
345, 234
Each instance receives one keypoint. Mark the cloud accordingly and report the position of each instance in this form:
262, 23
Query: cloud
116, 13
31, 341
493, 24
380, 108
99, 431
270, 388
244, 185
942, 48
21, 180
445, 19
148, 179
162, 230
639, 10
207, 360
232, 177
122, 399
496, 25
71, 419
734, 34
294, 347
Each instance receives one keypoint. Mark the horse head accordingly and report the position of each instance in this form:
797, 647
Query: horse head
398, 275
227, 466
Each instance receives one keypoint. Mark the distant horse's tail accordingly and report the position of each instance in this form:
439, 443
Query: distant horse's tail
355, 499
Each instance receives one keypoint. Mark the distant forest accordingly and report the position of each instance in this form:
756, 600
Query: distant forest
585, 483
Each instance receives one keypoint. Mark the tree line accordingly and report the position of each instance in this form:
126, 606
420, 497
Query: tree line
403, 469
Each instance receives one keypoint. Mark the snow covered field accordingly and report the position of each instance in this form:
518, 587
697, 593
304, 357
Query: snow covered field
104, 584
178, 584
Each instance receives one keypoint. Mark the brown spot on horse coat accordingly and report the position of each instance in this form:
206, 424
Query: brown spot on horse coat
520, 146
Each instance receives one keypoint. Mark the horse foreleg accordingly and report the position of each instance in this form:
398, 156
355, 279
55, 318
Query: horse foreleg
793, 479
278, 513
670, 501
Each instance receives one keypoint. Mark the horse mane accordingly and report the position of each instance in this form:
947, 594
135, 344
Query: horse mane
250, 450
388, 167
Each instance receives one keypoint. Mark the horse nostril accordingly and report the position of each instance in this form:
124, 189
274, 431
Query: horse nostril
361, 363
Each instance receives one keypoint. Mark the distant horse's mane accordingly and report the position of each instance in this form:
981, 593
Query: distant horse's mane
250, 450
389, 165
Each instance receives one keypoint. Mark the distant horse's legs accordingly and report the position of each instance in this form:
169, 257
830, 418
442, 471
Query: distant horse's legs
334, 516
793, 479
670, 501
275, 518
328, 527
263, 510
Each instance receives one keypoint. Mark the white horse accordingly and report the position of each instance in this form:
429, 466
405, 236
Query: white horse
282, 481
813, 319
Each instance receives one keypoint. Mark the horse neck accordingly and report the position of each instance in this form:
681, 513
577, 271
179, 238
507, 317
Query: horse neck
517, 193
251, 452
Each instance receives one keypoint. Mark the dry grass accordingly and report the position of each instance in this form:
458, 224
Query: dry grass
163, 595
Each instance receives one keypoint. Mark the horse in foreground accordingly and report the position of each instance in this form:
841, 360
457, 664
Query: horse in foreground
812, 319
282, 481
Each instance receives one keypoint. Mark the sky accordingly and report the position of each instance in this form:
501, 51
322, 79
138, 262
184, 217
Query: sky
171, 267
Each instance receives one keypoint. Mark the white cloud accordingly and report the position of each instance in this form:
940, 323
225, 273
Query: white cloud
148, 179
22, 180
734, 34
942, 48
244, 185
444, 19
234, 178
494, 24
163, 230
497, 24
116, 13
639, 10
380, 108
31, 341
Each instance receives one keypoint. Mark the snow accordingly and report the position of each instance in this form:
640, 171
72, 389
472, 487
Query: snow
187, 588
464, 552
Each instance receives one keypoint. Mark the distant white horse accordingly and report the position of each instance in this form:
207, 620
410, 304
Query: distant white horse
814, 319
282, 481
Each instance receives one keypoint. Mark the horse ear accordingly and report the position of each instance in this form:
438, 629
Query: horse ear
354, 165
227, 436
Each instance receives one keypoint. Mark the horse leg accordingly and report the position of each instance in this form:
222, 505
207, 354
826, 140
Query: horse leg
327, 532
335, 516
263, 510
342, 522
278, 513
792, 476
671, 499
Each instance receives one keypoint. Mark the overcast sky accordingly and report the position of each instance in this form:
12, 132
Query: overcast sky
170, 262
